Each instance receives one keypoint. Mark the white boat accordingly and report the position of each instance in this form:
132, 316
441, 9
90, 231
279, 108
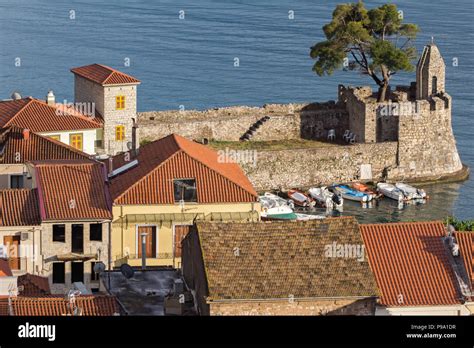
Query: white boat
278, 213
276, 208
391, 191
326, 198
411, 192
271, 200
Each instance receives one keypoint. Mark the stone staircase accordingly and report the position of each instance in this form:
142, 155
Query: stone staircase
253, 128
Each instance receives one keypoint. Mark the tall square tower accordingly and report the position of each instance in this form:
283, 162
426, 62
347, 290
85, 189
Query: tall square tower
114, 95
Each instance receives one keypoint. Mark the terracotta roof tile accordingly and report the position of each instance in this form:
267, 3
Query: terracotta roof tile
411, 263
465, 241
34, 285
280, 259
100, 305
72, 190
104, 75
14, 148
174, 157
19, 207
39, 117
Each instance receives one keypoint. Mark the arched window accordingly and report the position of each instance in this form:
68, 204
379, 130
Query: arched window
434, 85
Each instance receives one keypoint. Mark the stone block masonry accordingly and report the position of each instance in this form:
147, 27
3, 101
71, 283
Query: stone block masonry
285, 169
287, 121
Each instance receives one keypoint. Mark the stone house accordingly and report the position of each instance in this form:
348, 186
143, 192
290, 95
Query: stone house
162, 190
100, 121
114, 95
315, 267
416, 270
59, 228
18, 146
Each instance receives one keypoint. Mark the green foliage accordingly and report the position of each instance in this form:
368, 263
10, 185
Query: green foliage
376, 40
460, 225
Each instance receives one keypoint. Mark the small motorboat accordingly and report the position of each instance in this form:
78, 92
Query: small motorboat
278, 213
391, 191
300, 198
326, 198
364, 188
411, 192
351, 194
276, 208
271, 200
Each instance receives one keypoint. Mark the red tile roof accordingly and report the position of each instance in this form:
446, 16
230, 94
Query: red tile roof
411, 263
14, 148
19, 207
465, 241
33, 285
39, 117
104, 75
72, 190
174, 157
100, 305
5, 270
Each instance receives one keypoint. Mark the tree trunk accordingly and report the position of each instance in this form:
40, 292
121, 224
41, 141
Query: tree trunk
382, 95
383, 87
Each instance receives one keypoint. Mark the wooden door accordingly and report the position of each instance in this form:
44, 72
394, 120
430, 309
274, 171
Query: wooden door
150, 240
180, 231
13, 249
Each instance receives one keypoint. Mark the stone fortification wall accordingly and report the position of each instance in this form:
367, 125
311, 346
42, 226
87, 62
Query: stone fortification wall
289, 121
284, 169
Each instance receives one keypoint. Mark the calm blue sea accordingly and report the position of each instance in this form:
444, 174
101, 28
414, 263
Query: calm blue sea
191, 61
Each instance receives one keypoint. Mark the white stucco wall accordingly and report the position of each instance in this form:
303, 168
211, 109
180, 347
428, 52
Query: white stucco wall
89, 136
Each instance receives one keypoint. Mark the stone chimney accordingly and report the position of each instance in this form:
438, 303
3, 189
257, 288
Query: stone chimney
50, 98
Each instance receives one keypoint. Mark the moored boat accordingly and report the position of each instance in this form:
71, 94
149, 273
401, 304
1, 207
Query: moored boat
411, 192
364, 188
300, 198
278, 213
326, 198
351, 194
391, 191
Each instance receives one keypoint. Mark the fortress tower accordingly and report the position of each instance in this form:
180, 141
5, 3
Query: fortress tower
115, 97
430, 73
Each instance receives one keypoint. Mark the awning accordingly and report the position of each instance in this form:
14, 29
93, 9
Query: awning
186, 217
76, 257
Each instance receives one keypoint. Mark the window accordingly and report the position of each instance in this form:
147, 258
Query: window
77, 238
77, 272
55, 137
16, 181
119, 133
59, 233
58, 273
95, 232
75, 140
184, 190
120, 102
434, 85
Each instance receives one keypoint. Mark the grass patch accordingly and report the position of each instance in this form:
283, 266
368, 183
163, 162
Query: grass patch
269, 145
